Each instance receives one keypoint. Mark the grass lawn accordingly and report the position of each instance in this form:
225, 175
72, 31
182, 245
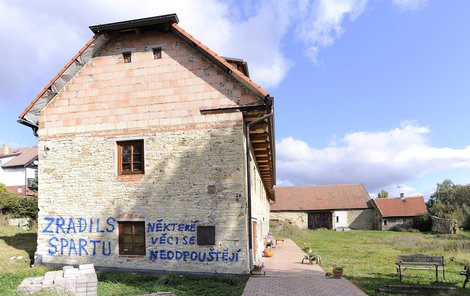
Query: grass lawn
368, 257
18, 246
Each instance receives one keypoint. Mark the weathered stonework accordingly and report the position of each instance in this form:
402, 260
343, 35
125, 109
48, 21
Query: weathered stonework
195, 165
299, 219
442, 225
360, 219
354, 219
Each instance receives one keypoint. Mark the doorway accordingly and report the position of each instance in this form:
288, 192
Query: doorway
320, 220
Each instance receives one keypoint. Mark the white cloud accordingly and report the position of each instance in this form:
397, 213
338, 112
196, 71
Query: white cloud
410, 4
322, 22
43, 35
381, 159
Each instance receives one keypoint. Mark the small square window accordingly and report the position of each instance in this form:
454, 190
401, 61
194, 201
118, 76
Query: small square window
206, 235
132, 238
157, 53
126, 56
131, 157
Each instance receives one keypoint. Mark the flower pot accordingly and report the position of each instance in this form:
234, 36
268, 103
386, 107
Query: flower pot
268, 253
337, 273
257, 272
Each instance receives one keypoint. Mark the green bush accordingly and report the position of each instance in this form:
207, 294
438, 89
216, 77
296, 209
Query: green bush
402, 227
422, 222
18, 206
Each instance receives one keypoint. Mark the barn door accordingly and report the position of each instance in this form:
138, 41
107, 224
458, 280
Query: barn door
320, 220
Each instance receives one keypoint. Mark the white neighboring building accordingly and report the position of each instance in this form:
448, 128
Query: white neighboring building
18, 168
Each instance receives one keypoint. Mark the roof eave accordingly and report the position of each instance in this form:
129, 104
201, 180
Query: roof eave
48, 86
133, 24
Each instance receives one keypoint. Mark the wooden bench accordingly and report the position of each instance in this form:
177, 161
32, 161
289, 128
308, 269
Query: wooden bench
420, 261
466, 272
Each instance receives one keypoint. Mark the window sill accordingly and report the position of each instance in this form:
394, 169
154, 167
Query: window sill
132, 256
130, 178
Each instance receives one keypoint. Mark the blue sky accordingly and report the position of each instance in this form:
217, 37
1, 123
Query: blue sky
371, 91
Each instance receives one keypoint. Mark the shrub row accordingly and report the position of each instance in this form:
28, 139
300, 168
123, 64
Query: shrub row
19, 206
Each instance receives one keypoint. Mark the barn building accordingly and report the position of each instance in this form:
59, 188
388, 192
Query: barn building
338, 207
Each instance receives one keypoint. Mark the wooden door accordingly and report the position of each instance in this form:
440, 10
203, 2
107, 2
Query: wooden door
320, 220
254, 237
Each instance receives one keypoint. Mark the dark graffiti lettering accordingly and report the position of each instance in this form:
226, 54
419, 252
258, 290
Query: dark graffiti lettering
79, 225
161, 226
50, 221
80, 247
194, 256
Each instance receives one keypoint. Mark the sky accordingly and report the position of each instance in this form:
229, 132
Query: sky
366, 91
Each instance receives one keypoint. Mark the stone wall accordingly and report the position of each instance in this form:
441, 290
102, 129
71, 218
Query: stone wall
442, 225
394, 221
195, 165
355, 219
361, 219
78, 180
299, 219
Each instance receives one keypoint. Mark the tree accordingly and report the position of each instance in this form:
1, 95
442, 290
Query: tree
441, 201
451, 201
34, 185
382, 194
3, 189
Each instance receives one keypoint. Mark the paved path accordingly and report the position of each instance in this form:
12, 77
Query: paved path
285, 275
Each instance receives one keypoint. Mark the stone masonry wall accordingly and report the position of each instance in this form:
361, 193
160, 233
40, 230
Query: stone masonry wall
361, 219
442, 225
82, 199
299, 219
187, 155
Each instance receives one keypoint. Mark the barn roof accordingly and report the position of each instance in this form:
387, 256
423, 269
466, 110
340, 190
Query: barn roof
401, 207
325, 197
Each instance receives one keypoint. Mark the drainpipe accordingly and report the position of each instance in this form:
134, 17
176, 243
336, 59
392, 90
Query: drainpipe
248, 176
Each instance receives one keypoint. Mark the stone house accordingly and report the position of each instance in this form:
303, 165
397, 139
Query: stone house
18, 168
327, 206
392, 212
155, 153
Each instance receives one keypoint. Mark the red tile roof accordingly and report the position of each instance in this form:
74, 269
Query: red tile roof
325, 197
397, 207
25, 157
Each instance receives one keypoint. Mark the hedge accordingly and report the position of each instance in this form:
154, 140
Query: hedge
18, 206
